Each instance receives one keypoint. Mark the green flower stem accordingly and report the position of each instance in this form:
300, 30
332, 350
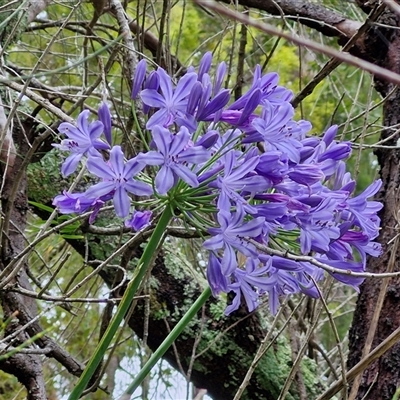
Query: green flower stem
164, 346
124, 305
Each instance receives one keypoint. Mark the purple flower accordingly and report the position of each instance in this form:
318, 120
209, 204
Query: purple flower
105, 118
273, 166
268, 179
173, 155
230, 236
223, 143
208, 139
138, 79
316, 233
237, 177
151, 83
248, 282
251, 104
117, 179
284, 263
306, 174
82, 139
217, 281
266, 84
330, 158
205, 64
279, 95
200, 103
219, 77
365, 212
327, 153
306, 284
285, 282
71, 203
347, 267
228, 141
207, 111
171, 103
271, 129
342, 248
330, 134
194, 98
139, 220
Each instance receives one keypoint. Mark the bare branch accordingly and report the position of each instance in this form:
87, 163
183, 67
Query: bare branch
359, 368
39, 100
319, 264
312, 15
380, 72
35, 7
335, 62
28, 371
119, 13
7, 147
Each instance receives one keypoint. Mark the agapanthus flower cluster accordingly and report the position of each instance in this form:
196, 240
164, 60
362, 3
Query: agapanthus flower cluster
241, 172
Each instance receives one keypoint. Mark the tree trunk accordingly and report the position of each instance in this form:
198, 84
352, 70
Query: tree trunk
381, 379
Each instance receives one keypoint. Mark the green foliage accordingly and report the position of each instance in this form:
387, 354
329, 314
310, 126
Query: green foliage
13, 22
9, 384
67, 232
45, 180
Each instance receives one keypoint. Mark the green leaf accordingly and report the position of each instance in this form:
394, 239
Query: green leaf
41, 206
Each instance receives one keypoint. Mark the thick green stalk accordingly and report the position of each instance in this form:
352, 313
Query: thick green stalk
164, 346
124, 305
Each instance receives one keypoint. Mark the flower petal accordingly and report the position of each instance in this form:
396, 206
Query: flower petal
70, 164
162, 138
117, 160
105, 117
100, 189
186, 175
98, 167
152, 98
138, 188
164, 180
121, 202
165, 84
179, 141
184, 86
132, 167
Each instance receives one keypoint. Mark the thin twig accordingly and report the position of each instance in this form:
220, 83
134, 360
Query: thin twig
319, 264
333, 63
381, 349
382, 73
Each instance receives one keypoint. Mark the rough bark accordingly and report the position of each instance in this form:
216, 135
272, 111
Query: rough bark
382, 378
27, 368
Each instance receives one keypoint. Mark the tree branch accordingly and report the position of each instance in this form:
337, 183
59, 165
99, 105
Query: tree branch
35, 7
383, 74
313, 15
27, 368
